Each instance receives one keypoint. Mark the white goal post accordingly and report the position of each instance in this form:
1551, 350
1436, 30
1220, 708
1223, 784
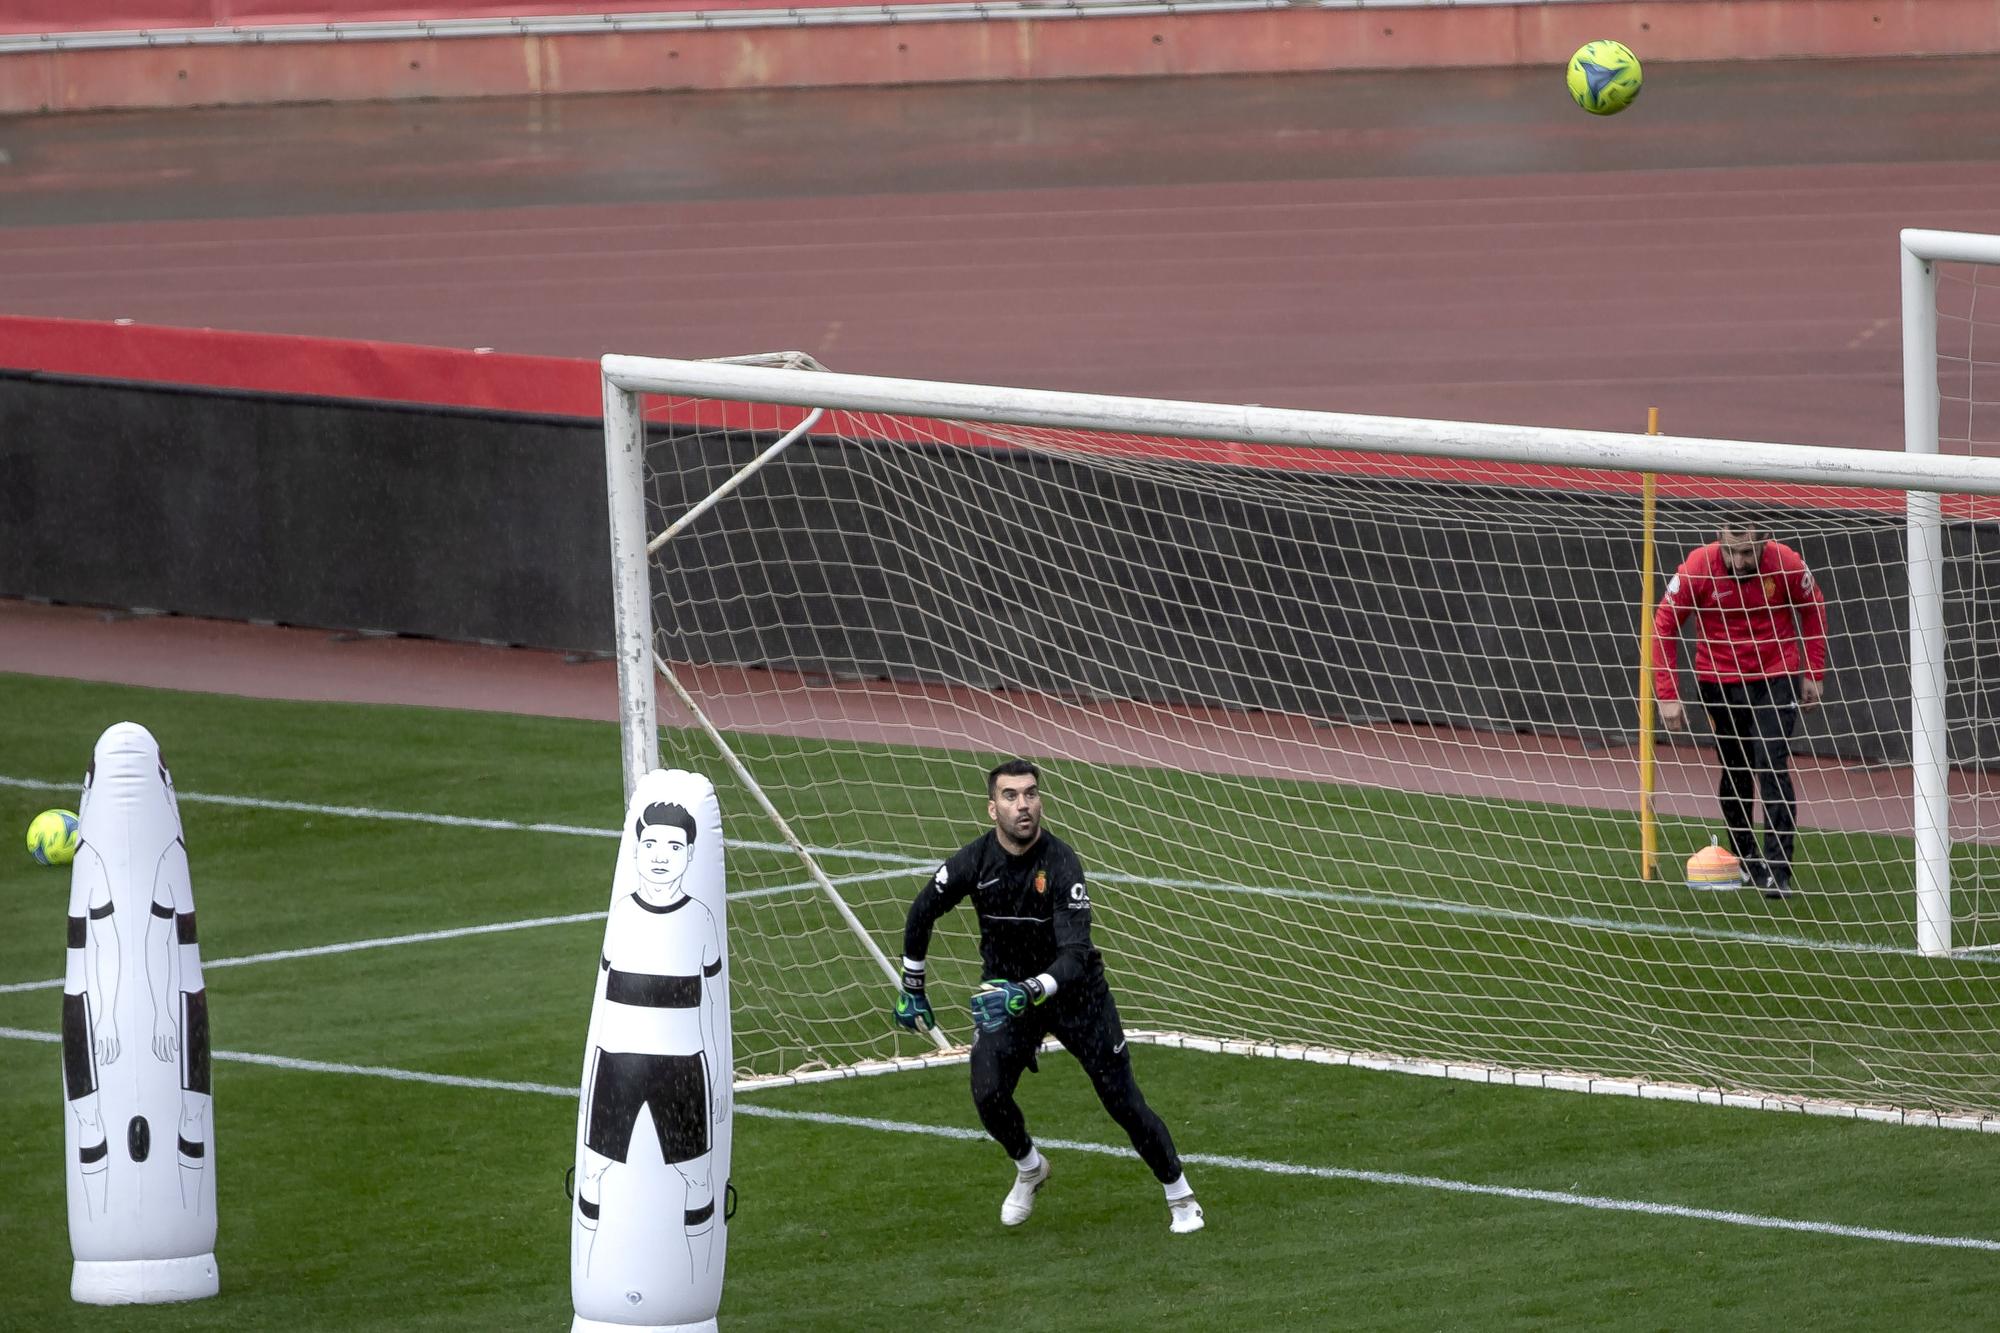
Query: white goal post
1387, 908
1922, 251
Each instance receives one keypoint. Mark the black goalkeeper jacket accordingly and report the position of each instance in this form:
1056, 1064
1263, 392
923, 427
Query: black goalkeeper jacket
1034, 911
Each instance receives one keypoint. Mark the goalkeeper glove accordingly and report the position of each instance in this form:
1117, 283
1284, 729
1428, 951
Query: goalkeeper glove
913, 1011
997, 1001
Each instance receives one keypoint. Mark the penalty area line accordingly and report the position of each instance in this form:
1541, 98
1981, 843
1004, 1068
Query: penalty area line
1262, 1166
907, 864
330, 1067
903, 863
455, 932
1399, 1179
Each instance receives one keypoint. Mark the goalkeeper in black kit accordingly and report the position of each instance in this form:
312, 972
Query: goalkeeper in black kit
1042, 978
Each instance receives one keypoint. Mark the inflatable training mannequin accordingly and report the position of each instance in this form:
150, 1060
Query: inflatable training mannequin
647, 1229
138, 1139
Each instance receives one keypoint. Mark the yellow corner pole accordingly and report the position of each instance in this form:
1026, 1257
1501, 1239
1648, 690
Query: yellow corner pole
1649, 833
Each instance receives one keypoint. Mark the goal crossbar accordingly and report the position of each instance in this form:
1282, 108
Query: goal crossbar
627, 376
1919, 471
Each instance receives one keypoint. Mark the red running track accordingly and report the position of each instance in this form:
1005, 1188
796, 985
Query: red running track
1434, 244
287, 663
1445, 245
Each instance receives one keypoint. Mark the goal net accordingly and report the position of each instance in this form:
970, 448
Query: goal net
1342, 714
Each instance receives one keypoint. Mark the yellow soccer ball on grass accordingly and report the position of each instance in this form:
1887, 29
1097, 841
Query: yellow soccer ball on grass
1604, 77
52, 837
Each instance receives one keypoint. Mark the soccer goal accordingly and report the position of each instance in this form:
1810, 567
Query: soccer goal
1342, 713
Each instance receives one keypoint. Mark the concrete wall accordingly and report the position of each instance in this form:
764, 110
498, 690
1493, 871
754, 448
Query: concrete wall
1066, 42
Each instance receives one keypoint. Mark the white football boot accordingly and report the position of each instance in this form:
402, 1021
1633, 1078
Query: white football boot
1184, 1215
1019, 1204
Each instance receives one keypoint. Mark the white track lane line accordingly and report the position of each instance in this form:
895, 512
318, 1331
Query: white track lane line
1262, 1166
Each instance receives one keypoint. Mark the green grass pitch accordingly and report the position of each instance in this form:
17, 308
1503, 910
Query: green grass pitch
1337, 1198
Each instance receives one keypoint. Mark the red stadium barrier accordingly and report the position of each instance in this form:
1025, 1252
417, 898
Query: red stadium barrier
559, 386
316, 367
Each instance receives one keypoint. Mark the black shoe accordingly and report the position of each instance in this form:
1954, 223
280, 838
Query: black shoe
1777, 886
1758, 874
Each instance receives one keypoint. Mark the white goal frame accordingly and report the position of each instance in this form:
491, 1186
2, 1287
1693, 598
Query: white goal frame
1921, 471
1930, 762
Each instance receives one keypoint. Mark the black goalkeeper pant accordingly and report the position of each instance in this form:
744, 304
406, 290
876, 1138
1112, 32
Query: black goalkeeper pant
1087, 1026
1753, 721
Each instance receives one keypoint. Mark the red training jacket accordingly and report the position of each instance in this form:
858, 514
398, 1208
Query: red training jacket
1769, 624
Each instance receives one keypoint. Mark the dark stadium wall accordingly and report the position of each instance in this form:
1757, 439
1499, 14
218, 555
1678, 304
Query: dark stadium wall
280, 483
1365, 619
38, 74
447, 523
307, 481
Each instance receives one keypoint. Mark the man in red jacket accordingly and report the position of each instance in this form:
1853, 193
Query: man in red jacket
1760, 656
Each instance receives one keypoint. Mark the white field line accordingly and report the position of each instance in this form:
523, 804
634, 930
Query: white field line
1397, 1178
329, 1067
1263, 1166
455, 932
908, 864
419, 817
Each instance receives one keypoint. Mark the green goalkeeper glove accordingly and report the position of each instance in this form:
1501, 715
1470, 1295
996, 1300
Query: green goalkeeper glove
997, 1001
913, 1010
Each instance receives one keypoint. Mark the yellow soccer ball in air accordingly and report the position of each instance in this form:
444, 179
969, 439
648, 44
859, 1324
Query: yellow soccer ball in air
1604, 77
52, 837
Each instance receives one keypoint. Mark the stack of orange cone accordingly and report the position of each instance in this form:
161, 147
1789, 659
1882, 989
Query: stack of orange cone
1714, 867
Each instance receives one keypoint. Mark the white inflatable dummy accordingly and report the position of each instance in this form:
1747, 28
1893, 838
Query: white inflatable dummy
138, 1139
647, 1229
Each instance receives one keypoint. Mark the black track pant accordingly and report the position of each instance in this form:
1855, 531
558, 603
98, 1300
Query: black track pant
1753, 721
1085, 1021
